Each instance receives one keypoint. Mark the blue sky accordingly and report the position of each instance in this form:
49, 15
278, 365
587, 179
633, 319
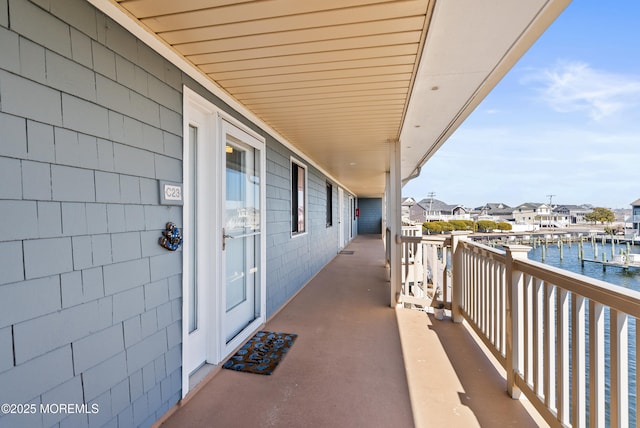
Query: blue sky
565, 121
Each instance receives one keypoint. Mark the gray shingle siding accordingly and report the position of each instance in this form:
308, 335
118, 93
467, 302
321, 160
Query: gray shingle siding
292, 261
90, 305
83, 146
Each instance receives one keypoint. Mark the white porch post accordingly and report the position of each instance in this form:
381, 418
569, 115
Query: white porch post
385, 221
394, 220
457, 272
514, 332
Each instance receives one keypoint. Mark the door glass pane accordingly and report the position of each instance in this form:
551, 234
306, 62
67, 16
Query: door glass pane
243, 190
236, 268
238, 260
242, 223
191, 239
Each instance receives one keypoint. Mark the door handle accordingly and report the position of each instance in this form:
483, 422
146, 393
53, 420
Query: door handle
224, 239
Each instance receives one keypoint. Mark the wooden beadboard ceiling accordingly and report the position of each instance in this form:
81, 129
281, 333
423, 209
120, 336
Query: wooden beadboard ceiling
331, 76
339, 79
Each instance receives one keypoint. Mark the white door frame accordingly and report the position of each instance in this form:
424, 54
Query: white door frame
340, 218
352, 213
211, 160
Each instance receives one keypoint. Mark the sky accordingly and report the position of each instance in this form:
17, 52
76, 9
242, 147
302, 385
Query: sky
565, 121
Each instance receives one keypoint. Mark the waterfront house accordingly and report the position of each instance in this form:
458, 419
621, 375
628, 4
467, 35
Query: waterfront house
406, 204
254, 128
436, 210
494, 211
570, 214
635, 216
533, 214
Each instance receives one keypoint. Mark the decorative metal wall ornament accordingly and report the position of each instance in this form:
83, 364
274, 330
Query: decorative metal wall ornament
171, 238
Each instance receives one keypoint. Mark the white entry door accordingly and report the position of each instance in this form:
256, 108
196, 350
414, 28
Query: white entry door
242, 230
223, 251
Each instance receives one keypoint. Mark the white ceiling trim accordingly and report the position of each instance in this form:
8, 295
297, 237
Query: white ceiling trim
134, 26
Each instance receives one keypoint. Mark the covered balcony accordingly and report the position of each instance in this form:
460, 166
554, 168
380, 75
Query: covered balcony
366, 91
521, 344
358, 362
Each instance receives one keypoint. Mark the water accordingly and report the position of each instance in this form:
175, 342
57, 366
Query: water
614, 275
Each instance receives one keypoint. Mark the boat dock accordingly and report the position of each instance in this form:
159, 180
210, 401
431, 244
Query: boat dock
624, 261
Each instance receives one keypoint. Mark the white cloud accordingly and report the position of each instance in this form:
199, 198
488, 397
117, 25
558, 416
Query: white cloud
575, 86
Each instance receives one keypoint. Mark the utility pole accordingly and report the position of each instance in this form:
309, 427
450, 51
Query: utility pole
430, 195
550, 208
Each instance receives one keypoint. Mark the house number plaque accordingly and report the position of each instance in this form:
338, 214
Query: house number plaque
170, 193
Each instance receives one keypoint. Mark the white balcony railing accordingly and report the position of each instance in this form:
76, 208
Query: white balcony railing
562, 338
426, 278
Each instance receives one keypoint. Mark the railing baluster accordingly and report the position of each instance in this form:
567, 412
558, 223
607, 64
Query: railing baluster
596, 364
489, 287
538, 340
482, 296
550, 347
494, 303
445, 274
578, 366
562, 356
466, 281
619, 370
472, 284
478, 299
526, 325
418, 270
405, 269
503, 309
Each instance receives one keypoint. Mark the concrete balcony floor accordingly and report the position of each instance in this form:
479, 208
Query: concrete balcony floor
357, 362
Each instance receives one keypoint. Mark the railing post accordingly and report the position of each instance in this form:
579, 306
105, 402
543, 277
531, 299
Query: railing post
514, 301
456, 273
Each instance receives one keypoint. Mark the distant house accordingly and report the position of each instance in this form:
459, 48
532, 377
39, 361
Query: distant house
532, 213
432, 210
570, 214
494, 211
406, 204
635, 216
417, 213
436, 210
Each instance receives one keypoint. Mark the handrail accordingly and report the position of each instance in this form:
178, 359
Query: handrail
547, 327
611, 295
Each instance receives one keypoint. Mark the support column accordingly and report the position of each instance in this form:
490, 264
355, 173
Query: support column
457, 272
394, 220
386, 235
514, 302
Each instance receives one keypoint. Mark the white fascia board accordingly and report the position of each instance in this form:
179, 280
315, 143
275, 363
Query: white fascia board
131, 24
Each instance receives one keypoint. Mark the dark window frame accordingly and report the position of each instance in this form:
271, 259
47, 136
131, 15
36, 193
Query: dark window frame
298, 203
329, 214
